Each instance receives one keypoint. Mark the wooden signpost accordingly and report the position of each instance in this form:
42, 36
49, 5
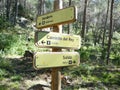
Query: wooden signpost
52, 39
56, 74
55, 40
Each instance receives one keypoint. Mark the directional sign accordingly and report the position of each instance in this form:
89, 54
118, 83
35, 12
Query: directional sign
55, 59
52, 39
58, 17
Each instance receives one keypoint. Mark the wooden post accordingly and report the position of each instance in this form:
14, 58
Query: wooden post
56, 74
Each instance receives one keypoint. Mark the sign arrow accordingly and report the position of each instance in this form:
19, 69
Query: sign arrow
42, 41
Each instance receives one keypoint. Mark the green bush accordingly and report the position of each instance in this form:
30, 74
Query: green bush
6, 64
90, 54
83, 69
115, 59
6, 41
115, 54
15, 44
84, 54
3, 73
3, 87
16, 78
4, 24
110, 78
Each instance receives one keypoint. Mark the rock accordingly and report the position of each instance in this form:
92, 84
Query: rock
36, 87
28, 54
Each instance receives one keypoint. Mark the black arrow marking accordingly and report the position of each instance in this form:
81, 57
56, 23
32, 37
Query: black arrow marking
42, 41
39, 23
74, 62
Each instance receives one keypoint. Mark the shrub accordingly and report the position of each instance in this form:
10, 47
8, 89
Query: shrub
6, 41
16, 78
90, 54
6, 64
4, 24
3, 73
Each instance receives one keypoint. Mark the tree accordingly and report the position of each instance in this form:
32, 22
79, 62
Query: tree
69, 25
40, 7
84, 20
104, 32
110, 32
15, 11
8, 4
2, 7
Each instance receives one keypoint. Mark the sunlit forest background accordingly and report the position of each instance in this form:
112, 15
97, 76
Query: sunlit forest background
98, 24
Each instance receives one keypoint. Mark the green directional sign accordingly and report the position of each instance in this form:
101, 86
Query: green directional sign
58, 17
55, 59
52, 39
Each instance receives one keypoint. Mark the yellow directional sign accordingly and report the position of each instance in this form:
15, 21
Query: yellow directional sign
52, 39
58, 17
55, 59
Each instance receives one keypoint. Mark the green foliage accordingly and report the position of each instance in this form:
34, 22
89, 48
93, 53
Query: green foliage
24, 12
3, 87
3, 73
14, 86
49, 5
6, 64
19, 47
83, 69
5, 68
7, 40
16, 78
21, 10
84, 54
115, 58
15, 44
115, 54
90, 54
4, 24
116, 36
110, 77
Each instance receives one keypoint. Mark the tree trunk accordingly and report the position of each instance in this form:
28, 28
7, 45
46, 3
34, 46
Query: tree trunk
104, 32
69, 25
110, 32
16, 11
56, 74
2, 8
44, 7
84, 20
8, 4
103, 56
24, 3
39, 7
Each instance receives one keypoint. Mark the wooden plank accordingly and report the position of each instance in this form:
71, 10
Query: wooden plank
61, 59
58, 40
62, 16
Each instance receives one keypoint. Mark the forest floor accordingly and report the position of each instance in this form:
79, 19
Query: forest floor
23, 76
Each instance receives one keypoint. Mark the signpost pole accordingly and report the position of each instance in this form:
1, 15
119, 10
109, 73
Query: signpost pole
56, 74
